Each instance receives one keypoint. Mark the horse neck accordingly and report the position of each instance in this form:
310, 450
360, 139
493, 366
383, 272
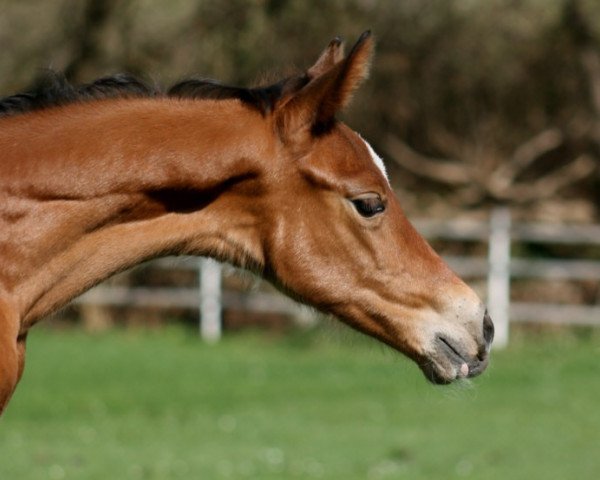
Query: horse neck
91, 189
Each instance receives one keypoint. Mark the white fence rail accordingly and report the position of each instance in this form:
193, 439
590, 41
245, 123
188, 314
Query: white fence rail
498, 268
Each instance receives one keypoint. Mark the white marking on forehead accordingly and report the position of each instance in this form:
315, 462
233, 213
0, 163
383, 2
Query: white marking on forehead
377, 160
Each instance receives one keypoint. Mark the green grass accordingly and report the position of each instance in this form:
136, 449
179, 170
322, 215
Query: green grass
161, 405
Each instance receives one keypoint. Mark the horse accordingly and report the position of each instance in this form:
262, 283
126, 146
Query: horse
97, 178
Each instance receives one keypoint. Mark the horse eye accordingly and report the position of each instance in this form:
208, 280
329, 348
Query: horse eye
368, 206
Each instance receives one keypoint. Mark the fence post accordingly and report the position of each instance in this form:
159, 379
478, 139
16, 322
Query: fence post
499, 274
210, 299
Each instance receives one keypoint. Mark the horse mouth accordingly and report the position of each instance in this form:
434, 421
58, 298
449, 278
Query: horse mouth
449, 362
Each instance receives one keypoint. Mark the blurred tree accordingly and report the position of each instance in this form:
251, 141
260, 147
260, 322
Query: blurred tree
471, 103
87, 36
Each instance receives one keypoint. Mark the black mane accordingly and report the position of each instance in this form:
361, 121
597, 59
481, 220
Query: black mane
55, 90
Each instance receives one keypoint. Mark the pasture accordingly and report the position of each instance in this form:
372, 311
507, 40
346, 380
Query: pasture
162, 405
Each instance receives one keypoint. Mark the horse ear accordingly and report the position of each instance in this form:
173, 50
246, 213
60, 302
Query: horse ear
333, 54
313, 107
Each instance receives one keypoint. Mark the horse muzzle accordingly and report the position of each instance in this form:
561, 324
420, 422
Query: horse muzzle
451, 359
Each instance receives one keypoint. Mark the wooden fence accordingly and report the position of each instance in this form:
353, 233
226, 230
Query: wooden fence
498, 268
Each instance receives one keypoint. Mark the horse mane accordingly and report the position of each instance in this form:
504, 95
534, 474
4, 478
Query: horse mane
54, 90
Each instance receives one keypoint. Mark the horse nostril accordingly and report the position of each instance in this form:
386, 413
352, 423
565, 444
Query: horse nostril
488, 329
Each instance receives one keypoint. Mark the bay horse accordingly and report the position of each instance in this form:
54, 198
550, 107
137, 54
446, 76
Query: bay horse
97, 178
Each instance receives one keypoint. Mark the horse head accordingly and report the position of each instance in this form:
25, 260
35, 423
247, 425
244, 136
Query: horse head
336, 237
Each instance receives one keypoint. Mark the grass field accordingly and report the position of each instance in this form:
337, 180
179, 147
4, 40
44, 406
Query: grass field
161, 405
